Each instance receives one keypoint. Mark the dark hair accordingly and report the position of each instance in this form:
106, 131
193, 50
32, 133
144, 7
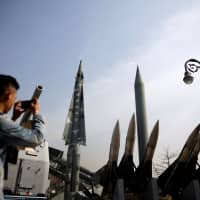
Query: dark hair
6, 81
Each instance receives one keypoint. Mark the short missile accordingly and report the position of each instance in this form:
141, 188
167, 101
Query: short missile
130, 138
196, 150
143, 173
197, 172
152, 143
127, 166
190, 168
108, 174
189, 145
115, 144
171, 181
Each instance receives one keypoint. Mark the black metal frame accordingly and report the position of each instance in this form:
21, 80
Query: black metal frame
192, 65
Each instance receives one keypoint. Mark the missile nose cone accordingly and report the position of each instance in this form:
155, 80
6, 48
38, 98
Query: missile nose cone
80, 72
80, 67
130, 138
152, 142
115, 143
197, 146
138, 78
154, 135
190, 144
193, 136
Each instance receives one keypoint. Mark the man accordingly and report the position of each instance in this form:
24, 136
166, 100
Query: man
11, 133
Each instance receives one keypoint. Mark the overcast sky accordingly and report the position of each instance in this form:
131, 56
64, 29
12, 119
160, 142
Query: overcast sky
42, 42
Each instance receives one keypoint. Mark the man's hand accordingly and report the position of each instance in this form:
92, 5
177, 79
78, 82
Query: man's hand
17, 110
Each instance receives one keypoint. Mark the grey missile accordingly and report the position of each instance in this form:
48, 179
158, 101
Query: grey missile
74, 136
140, 114
74, 131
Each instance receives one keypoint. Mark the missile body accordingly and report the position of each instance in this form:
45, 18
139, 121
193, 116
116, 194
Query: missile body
127, 166
143, 173
130, 138
197, 173
152, 143
115, 144
141, 114
74, 136
108, 174
74, 131
172, 181
190, 168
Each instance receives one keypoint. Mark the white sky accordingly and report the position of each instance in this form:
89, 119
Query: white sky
168, 99
42, 42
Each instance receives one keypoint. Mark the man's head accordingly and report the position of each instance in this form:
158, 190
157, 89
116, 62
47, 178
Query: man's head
8, 91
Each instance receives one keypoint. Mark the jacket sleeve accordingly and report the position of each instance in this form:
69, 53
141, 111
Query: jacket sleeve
14, 134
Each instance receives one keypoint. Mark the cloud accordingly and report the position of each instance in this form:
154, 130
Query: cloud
111, 97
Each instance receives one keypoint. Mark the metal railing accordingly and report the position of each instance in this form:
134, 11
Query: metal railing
10, 197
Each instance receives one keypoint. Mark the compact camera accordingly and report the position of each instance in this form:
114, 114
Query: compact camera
26, 104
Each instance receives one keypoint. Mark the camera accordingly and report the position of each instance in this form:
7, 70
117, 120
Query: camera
26, 104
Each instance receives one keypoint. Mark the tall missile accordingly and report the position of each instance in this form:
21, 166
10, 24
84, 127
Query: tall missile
74, 131
126, 167
74, 136
108, 174
141, 114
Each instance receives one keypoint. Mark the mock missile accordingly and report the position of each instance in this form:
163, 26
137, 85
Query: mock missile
140, 114
130, 138
190, 168
74, 131
197, 173
152, 143
108, 174
190, 145
143, 173
127, 166
74, 136
115, 143
171, 180
196, 148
